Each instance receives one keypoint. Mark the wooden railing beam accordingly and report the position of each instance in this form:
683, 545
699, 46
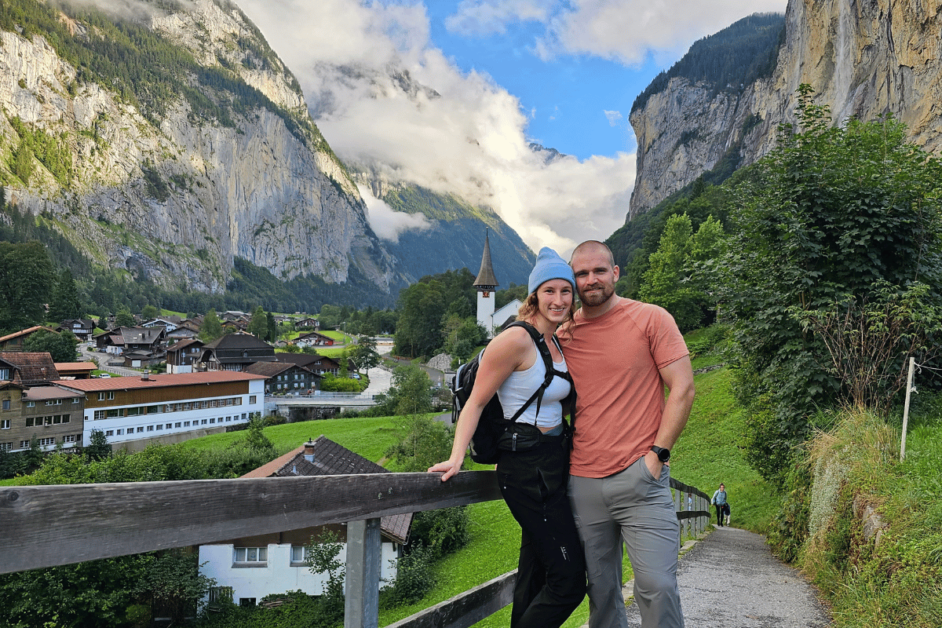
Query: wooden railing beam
45, 526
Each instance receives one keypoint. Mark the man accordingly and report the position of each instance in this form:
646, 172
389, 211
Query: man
621, 354
719, 500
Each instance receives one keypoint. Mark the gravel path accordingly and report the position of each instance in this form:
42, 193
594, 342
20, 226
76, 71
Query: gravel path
731, 580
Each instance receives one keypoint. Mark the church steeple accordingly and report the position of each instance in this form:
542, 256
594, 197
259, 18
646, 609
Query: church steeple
485, 284
486, 281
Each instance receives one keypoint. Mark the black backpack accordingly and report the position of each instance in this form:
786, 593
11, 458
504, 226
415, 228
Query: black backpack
492, 424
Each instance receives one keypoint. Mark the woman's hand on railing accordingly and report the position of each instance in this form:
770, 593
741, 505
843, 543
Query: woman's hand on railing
447, 469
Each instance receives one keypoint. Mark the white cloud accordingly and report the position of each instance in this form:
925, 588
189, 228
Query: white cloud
613, 117
622, 30
386, 222
382, 93
485, 17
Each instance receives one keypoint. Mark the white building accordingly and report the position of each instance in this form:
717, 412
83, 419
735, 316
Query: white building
137, 408
248, 569
485, 284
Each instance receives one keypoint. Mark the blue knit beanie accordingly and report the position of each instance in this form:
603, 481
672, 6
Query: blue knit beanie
548, 266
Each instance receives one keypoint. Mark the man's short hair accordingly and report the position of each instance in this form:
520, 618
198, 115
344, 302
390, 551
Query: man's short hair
596, 244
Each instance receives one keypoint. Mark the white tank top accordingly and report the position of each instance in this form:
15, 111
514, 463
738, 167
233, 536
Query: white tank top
521, 385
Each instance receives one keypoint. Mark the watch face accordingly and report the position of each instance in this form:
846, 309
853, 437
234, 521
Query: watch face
662, 454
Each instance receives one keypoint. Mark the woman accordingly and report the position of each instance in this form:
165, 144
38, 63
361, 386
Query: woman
551, 571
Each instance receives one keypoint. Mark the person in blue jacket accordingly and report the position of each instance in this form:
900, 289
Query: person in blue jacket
719, 500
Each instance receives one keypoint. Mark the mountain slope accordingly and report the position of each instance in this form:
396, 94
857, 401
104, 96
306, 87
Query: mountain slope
172, 142
863, 59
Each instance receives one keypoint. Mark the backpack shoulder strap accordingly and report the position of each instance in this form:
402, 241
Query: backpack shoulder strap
544, 352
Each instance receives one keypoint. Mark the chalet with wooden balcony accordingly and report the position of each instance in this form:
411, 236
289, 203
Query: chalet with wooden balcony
249, 568
126, 339
234, 352
182, 354
82, 328
286, 378
313, 339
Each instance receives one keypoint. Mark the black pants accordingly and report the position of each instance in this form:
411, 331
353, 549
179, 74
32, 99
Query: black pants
719, 514
551, 578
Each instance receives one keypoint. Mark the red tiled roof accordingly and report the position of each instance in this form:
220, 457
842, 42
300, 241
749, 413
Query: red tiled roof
160, 381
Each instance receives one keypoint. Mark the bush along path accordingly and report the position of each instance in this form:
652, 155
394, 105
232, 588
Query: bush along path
730, 579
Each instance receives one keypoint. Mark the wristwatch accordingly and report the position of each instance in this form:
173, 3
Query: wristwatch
662, 454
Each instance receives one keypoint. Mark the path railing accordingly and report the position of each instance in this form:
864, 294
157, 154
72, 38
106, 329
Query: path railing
46, 526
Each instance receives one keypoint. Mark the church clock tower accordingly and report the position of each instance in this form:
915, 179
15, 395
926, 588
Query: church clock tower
485, 284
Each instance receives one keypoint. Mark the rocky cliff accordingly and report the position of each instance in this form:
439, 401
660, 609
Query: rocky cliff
172, 142
863, 58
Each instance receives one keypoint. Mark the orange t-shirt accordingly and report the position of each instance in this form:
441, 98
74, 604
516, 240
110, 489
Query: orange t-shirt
615, 360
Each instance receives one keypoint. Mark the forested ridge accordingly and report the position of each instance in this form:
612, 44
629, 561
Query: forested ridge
728, 60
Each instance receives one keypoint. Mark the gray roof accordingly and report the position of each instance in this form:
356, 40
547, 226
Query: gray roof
486, 278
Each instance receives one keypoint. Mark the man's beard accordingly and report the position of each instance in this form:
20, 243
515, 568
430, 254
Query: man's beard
593, 300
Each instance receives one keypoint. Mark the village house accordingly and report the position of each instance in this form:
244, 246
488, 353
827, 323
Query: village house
82, 328
14, 341
249, 568
75, 370
307, 323
313, 339
182, 354
318, 364
33, 406
285, 378
126, 339
185, 330
234, 352
166, 323
138, 408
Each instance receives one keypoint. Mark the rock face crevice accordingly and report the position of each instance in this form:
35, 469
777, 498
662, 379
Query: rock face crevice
863, 58
177, 197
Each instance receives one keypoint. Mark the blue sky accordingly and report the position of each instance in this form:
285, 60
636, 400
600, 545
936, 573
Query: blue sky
488, 77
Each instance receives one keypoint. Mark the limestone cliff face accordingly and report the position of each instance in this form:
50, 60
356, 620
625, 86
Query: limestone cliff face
176, 195
862, 57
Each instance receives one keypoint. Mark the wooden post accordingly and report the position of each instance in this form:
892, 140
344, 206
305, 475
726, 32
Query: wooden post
364, 555
678, 499
909, 388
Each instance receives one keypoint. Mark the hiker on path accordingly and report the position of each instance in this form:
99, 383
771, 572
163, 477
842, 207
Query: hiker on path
551, 579
622, 353
719, 500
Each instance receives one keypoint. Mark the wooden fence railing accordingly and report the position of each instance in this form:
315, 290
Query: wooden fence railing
46, 526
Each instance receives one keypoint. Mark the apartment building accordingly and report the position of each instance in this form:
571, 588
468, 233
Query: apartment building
50, 414
137, 408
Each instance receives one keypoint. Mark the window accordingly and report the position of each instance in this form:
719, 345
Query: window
153, 409
6, 404
75, 400
140, 429
106, 396
119, 412
9, 446
100, 414
186, 424
177, 424
150, 428
109, 432
24, 444
121, 431
256, 555
4, 374
246, 601
5, 424
30, 404
298, 553
244, 416
43, 442
228, 419
169, 425
204, 422
251, 398
136, 411
73, 438
160, 427
53, 402
219, 594
212, 420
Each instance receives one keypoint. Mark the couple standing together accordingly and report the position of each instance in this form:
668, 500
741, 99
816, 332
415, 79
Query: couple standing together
575, 509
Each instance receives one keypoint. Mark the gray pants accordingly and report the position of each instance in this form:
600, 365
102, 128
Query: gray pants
634, 507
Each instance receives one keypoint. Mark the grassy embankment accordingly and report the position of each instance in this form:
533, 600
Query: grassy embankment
894, 578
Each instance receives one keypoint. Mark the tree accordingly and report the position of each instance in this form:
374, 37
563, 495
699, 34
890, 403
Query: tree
258, 325
421, 308
272, 328
364, 354
831, 211
65, 303
410, 392
26, 281
150, 312
61, 346
173, 582
211, 329
124, 318
98, 447
321, 556
662, 281
255, 438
